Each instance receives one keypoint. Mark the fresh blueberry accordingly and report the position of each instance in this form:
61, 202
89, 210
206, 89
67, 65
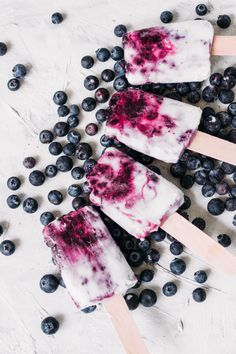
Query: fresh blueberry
226, 96
55, 148
169, 289
146, 275
155, 169
232, 136
91, 82
60, 98
102, 54
177, 266
193, 97
182, 88
117, 53
78, 202
234, 220
200, 276
186, 204
56, 18
120, 83
230, 71
158, 88
50, 171
178, 169
208, 190
147, 298
1, 230
89, 309
225, 118
36, 178
19, 71
222, 188
209, 93
207, 111
118, 234
77, 172
102, 115
49, 325
55, 197
13, 183
199, 222
119, 67
195, 85
73, 137
89, 165
232, 109
176, 248
215, 206
232, 191
87, 62
174, 96
74, 109
88, 104
127, 243
3, 48
49, 283
216, 175
135, 258
184, 214
64, 163
84, 151
166, 16
13, 201
212, 124
193, 163
106, 141
187, 181
199, 295
216, 79
228, 82
230, 204
74, 190
120, 30
13, 84
223, 21
73, 121
143, 245
46, 218
151, 256
201, 10
132, 301
29, 162
30, 205
7, 247
101, 95
158, 235
46, 136
69, 149
200, 177
228, 168
107, 75
62, 111
61, 129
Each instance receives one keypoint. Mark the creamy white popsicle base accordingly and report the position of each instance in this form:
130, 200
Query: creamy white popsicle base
176, 52
157, 126
91, 264
133, 196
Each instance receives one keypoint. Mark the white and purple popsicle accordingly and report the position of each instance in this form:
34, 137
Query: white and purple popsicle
176, 52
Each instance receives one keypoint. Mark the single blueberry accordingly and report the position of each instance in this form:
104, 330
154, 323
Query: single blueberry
49, 325
158, 235
216, 79
87, 62
55, 197
225, 118
222, 188
102, 115
73, 137
64, 163
77, 172
186, 204
176, 248
132, 301
50, 171
69, 149
29, 162
63, 111
212, 124
182, 88
208, 190
195, 85
151, 256
120, 83
36, 178
117, 53
147, 298
226, 96
120, 30
169, 289
13, 201
193, 97
55, 148
89, 165
56, 18
102, 54
223, 21
228, 82
101, 95
230, 204
46, 136
7, 247
46, 218
49, 283
207, 163
74, 109
74, 190
230, 71
216, 175
201, 177
13, 183
166, 16
143, 245
199, 295
30, 205
199, 222
3, 48
232, 191
84, 151
228, 168
178, 169
73, 121
19, 71
13, 84
187, 181
200, 276
146, 275
193, 163
209, 93
119, 67
88, 104
59, 98
215, 206
106, 141
107, 75
177, 266
158, 89
207, 111
78, 202
61, 129
135, 258
201, 9
91, 82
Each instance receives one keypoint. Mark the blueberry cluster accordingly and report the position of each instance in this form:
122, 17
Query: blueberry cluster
19, 71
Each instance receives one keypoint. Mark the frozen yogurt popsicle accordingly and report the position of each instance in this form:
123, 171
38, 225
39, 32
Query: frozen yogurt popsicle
175, 52
133, 196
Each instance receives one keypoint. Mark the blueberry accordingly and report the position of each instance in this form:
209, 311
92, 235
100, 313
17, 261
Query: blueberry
199, 295
36, 178
73, 121
64, 163
127, 243
74, 109
155, 169
186, 204
89, 165
184, 214
88, 104
56, 18
61, 129
226, 96
201, 9
138, 284
55, 148
178, 169
73, 137
106, 141
158, 236
120, 30
208, 190
195, 85
29, 162
174, 96
158, 88
13, 201
200, 276
177, 266
225, 118
3, 48
223, 21
193, 97
46, 218
69, 149
193, 163
176, 248
120, 83
147, 298
234, 220
222, 188
49, 283
216, 79
30, 205
232, 109
143, 245
232, 136
107, 75
63, 111
135, 258
91, 82
228, 168
13, 84
101, 95
166, 16
19, 71
84, 151
119, 67
200, 177
102, 115
182, 88
228, 82
50, 171
207, 111
49, 325
146, 275
55, 197
1, 230
60, 98
232, 191
46, 136
187, 181
132, 301
77, 173
89, 309
13, 183
7, 247
74, 190
151, 256
209, 93
215, 206
87, 62
102, 54
216, 175
169, 289
199, 222
230, 204
230, 71
78, 202
117, 53
212, 124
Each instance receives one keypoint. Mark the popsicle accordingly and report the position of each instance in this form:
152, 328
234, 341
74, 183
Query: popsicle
175, 52
92, 266
162, 127
140, 201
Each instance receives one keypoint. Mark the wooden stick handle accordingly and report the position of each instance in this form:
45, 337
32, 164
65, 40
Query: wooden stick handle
199, 243
215, 147
125, 325
224, 45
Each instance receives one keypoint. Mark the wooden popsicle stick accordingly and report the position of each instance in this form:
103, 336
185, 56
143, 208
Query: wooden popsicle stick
125, 325
215, 147
199, 243
224, 45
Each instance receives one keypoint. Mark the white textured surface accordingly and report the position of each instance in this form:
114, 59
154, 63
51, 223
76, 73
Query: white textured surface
53, 52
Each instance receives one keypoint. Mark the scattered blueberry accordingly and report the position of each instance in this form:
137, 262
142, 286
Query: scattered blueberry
178, 169
69, 149
87, 62
187, 181
230, 204
176, 248
91, 82
107, 75
19, 71
56, 18
55, 148
216, 175
228, 168
215, 206
228, 82
199, 295
49, 325
200, 177
117, 53
46, 218
182, 88
13, 201
147, 298
89, 309
151, 256
102, 115
55, 197
36, 178
143, 245
208, 190
193, 97
106, 141
199, 222
226, 96
3, 48
7, 247
46, 136
73, 121
127, 243
84, 151
89, 165
177, 266
120, 83
232, 191
49, 283
50, 171
60, 98
61, 129
135, 258
223, 21
13, 183
200, 276
225, 118
74, 109
212, 124
146, 275
186, 204
209, 93
166, 16
119, 67
73, 137
230, 71
120, 30
201, 10
29, 162
132, 301
63, 111
102, 54
158, 236
74, 190
64, 163
101, 95
169, 289
216, 79
77, 172
13, 84
207, 111
30, 205
78, 202
88, 104
222, 188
